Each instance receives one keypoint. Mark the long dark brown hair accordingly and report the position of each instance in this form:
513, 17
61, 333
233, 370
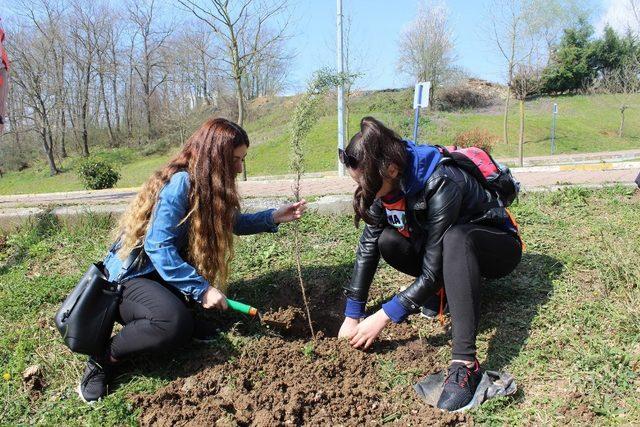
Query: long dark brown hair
213, 199
372, 151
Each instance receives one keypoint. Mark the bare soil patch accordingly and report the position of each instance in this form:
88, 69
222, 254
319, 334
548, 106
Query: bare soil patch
282, 377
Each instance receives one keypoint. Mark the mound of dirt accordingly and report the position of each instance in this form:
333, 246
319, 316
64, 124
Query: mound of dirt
326, 382
290, 321
33, 380
282, 377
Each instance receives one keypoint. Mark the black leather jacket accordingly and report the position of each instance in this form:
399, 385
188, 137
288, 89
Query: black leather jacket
451, 196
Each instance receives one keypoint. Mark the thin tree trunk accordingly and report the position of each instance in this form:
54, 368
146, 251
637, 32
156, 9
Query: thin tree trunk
205, 89
114, 87
521, 141
48, 150
115, 104
15, 110
85, 113
621, 130
506, 117
112, 138
147, 100
63, 129
85, 131
129, 103
239, 98
148, 111
61, 94
129, 107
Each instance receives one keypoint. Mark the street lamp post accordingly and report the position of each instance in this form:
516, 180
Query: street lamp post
340, 60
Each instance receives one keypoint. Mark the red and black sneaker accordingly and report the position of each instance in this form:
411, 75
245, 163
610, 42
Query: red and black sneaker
459, 386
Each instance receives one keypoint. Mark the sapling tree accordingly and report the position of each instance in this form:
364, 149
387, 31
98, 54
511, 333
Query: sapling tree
623, 84
525, 82
304, 117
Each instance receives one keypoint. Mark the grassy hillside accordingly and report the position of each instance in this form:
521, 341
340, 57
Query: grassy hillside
585, 124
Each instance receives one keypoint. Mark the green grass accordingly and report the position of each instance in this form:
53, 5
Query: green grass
133, 170
566, 323
585, 124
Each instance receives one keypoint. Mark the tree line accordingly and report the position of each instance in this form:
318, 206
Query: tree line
547, 47
113, 73
132, 70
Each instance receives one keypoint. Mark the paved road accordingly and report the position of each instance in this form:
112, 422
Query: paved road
529, 178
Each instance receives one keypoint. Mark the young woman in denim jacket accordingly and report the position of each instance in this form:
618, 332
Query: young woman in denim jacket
180, 231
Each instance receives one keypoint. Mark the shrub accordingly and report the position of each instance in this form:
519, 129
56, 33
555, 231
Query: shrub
476, 137
97, 174
461, 97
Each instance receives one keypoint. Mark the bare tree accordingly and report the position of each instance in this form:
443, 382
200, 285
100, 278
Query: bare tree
426, 46
634, 5
151, 69
16, 118
46, 17
32, 60
92, 69
130, 85
115, 52
243, 29
82, 52
548, 19
525, 82
201, 61
103, 41
511, 31
267, 72
623, 84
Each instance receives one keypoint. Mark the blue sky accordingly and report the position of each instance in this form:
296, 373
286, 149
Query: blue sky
377, 24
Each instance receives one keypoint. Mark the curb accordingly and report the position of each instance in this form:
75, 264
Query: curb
591, 167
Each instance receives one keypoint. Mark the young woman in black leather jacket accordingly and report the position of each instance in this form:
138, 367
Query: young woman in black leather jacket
427, 218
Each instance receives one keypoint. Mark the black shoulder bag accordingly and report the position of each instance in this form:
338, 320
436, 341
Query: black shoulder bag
87, 315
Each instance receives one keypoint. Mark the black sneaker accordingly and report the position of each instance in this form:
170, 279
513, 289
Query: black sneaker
459, 386
94, 383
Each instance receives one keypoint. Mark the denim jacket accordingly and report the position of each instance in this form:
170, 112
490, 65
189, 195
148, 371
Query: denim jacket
166, 238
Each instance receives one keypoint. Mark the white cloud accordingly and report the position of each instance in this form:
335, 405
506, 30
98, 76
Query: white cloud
619, 15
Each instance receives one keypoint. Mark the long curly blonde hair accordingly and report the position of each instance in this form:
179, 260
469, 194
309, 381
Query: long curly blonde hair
213, 200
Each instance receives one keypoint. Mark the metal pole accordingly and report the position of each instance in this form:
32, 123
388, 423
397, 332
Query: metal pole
340, 59
553, 128
416, 117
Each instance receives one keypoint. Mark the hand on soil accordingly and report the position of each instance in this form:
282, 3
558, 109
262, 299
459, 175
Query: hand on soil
368, 330
290, 212
349, 328
213, 298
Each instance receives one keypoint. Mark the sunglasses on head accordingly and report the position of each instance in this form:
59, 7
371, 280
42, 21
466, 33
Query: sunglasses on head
347, 160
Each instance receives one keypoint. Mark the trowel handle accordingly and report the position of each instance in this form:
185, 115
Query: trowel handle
242, 307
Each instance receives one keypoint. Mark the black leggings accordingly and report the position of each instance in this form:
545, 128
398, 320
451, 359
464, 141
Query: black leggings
469, 252
154, 319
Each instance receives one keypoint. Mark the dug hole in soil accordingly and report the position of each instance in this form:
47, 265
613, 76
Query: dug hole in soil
284, 377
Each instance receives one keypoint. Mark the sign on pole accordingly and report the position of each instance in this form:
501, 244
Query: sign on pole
420, 100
